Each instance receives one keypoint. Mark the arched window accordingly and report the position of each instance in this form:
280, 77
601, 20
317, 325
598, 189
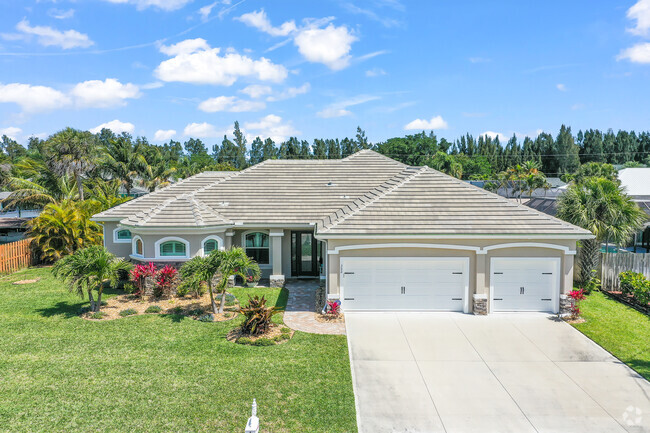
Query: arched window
138, 246
173, 249
257, 247
210, 245
121, 235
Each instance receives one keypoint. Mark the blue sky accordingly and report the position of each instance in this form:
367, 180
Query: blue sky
178, 68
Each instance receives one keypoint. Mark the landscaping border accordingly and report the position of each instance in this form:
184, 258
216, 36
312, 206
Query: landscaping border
626, 300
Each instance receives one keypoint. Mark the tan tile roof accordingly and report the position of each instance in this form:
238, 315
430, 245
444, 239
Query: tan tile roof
365, 193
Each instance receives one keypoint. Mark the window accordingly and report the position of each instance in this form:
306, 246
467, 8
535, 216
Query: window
257, 247
172, 248
139, 247
124, 234
209, 246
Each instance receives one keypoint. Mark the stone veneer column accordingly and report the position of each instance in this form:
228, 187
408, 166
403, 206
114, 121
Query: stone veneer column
567, 284
479, 299
277, 276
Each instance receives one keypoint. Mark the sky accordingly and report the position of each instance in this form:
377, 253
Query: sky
171, 69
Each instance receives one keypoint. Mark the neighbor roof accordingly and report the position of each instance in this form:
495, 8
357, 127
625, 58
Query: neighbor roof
636, 181
365, 193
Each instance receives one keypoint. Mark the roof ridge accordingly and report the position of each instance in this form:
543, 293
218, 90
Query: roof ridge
370, 197
468, 185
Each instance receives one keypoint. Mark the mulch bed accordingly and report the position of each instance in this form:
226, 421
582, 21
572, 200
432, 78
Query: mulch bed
274, 331
574, 321
187, 306
329, 318
628, 300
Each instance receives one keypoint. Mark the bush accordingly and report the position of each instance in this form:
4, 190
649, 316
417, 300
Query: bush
129, 287
243, 340
176, 310
263, 342
139, 274
258, 316
193, 287
281, 337
128, 312
182, 290
285, 330
98, 315
230, 300
154, 309
636, 284
165, 281
206, 318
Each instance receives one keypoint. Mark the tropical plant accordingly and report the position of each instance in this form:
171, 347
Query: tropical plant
63, 228
122, 161
165, 281
234, 262
73, 153
636, 284
139, 274
88, 270
602, 207
257, 316
576, 296
200, 270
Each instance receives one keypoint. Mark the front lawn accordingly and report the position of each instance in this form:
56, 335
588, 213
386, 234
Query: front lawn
158, 373
621, 330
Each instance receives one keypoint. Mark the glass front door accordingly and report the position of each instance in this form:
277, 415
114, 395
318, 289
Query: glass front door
304, 254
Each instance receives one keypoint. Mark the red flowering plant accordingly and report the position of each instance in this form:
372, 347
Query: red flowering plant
165, 281
333, 308
138, 275
576, 296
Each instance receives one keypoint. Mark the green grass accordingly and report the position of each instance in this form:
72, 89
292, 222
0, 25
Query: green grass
621, 330
158, 373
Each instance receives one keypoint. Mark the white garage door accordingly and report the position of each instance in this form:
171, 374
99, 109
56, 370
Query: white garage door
404, 283
525, 284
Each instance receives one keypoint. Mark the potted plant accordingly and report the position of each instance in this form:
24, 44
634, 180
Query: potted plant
251, 280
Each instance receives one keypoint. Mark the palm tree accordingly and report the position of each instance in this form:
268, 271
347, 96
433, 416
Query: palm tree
73, 153
157, 172
89, 269
123, 161
224, 265
63, 228
602, 207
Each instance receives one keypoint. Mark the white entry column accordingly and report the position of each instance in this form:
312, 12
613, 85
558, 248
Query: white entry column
277, 277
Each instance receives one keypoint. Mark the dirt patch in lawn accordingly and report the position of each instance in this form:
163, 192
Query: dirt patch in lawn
20, 282
574, 321
277, 334
329, 318
187, 306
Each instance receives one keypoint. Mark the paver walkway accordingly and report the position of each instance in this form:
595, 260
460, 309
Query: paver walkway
300, 315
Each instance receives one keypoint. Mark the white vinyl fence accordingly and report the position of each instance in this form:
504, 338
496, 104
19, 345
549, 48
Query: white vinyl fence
612, 264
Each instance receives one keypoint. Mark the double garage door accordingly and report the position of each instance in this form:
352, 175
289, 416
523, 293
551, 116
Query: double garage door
405, 283
442, 283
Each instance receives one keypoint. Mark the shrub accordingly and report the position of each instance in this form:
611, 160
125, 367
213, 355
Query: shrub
230, 300
243, 340
628, 281
196, 312
192, 286
139, 274
258, 316
636, 284
98, 315
176, 310
263, 342
333, 308
285, 330
153, 309
227, 314
182, 290
577, 296
165, 281
206, 318
128, 312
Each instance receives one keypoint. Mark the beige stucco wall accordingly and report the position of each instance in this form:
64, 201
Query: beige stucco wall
119, 249
479, 263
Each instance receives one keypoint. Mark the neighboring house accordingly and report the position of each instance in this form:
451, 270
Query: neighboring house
384, 236
555, 187
13, 222
636, 182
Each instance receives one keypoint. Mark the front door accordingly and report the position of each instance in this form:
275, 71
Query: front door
304, 254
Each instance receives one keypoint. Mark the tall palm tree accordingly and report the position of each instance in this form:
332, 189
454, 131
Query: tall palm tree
88, 270
157, 172
73, 153
602, 207
122, 160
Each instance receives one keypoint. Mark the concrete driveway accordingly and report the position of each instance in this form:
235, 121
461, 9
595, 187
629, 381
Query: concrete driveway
446, 372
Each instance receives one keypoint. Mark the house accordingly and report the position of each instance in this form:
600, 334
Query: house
383, 235
13, 223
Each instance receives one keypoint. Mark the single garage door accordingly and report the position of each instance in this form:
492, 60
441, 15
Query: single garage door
525, 284
404, 283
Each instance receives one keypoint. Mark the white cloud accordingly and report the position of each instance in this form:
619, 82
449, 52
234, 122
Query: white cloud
60, 14
166, 5
11, 132
47, 36
205, 11
639, 53
561, 87
164, 134
436, 122
195, 62
289, 93
330, 45
375, 72
116, 126
493, 135
231, 104
260, 21
200, 130
33, 98
272, 126
479, 60
339, 109
640, 12
256, 90
102, 94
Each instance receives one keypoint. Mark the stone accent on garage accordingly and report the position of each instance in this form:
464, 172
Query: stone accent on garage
566, 304
276, 280
479, 304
